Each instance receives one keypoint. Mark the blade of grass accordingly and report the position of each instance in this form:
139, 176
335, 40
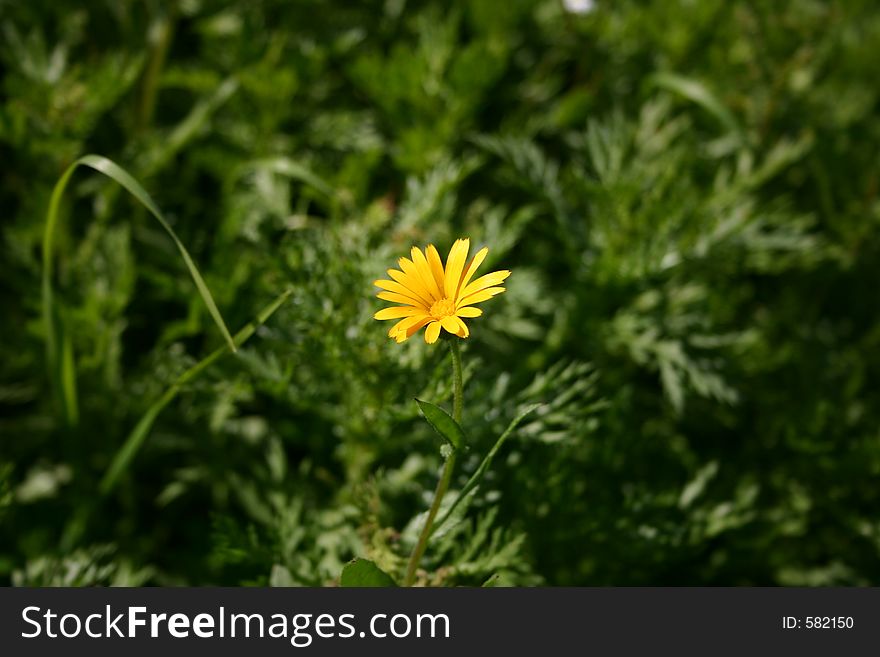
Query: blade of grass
59, 354
189, 127
295, 171
484, 465
164, 32
65, 373
136, 438
697, 93
58, 350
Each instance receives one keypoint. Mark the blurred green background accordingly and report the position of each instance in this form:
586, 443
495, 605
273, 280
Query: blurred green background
686, 192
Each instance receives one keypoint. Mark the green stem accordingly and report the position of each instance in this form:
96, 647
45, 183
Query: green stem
457, 384
159, 51
449, 466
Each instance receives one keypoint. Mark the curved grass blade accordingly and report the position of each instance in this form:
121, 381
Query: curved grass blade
484, 465
292, 169
187, 129
698, 93
136, 438
59, 353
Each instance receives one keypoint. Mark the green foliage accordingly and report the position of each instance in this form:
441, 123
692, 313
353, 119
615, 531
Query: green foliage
686, 194
364, 573
481, 470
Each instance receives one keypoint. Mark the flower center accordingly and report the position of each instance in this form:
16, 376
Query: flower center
442, 308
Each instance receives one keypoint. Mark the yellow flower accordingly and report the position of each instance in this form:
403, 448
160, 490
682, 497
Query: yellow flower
434, 296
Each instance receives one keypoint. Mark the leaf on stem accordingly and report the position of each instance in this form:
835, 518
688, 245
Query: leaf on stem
364, 573
442, 423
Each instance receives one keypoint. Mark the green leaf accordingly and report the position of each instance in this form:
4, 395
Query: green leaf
136, 438
442, 423
364, 573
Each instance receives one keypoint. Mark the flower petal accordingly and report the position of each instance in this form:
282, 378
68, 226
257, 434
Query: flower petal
397, 312
469, 312
416, 326
480, 296
462, 331
454, 266
483, 282
432, 332
436, 265
425, 274
392, 332
450, 324
398, 285
471, 269
407, 326
414, 280
400, 298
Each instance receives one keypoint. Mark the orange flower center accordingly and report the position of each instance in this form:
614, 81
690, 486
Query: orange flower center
442, 308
